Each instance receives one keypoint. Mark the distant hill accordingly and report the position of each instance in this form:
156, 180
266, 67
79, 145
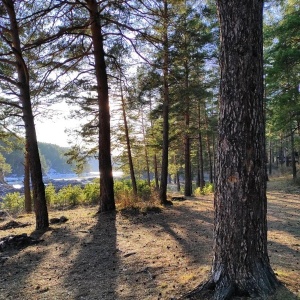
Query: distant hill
52, 158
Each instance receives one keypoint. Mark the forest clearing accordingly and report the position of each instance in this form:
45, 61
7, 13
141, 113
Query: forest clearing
159, 254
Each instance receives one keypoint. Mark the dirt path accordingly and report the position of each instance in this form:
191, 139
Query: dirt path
137, 256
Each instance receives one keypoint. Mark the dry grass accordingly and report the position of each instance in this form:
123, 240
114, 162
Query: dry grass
147, 254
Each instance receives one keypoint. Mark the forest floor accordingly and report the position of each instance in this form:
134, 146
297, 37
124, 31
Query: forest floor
159, 254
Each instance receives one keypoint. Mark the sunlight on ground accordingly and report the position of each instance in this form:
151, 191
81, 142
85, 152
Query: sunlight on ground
155, 254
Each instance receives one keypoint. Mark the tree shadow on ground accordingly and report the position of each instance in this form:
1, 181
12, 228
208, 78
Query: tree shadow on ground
29, 262
184, 236
95, 269
189, 228
15, 271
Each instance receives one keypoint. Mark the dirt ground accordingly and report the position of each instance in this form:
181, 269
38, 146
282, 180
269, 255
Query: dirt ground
155, 255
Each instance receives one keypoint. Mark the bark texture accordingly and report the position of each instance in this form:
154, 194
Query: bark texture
241, 264
38, 187
107, 201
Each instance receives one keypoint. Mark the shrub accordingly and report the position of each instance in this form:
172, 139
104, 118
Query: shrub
207, 189
13, 202
70, 195
122, 188
91, 193
144, 190
50, 194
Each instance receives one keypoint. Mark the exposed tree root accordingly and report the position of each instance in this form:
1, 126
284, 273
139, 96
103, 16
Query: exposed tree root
259, 287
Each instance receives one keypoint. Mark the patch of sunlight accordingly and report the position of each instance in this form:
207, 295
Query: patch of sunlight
194, 275
186, 277
284, 238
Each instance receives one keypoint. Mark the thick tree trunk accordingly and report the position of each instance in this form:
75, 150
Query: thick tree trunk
107, 201
165, 150
130, 161
38, 186
241, 264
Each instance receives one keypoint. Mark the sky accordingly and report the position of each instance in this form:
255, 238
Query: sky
52, 131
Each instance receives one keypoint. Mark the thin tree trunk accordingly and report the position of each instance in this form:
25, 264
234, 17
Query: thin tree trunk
146, 151
165, 150
130, 162
156, 172
107, 201
209, 152
178, 181
198, 169
187, 152
270, 157
293, 161
38, 186
201, 161
213, 179
27, 192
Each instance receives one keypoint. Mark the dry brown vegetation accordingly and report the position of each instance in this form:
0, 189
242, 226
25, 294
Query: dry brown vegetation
149, 254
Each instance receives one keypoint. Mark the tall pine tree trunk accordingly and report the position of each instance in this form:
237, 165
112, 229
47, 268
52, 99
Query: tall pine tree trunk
27, 193
209, 152
38, 186
107, 201
156, 176
165, 150
187, 151
293, 160
130, 162
241, 264
200, 151
270, 157
146, 150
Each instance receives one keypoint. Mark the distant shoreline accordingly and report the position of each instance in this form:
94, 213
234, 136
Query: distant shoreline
15, 184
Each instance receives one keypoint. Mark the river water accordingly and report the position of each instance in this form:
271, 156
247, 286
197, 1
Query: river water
17, 182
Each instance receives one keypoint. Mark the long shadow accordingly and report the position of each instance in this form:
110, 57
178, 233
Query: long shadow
284, 215
95, 269
15, 272
198, 233
192, 230
16, 266
25, 262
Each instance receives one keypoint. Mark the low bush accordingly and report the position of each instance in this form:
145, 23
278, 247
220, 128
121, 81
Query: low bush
50, 193
13, 202
70, 196
144, 190
91, 193
207, 189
